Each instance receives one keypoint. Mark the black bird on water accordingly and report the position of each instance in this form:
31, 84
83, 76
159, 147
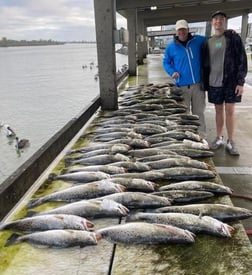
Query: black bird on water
21, 143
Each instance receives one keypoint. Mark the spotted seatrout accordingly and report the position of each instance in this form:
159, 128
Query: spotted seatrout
56, 238
48, 222
146, 233
221, 212
193, 223
80, 192
88, 208
198, 185
138, 200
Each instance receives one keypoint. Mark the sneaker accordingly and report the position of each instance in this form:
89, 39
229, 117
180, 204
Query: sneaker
231, 148
219, 141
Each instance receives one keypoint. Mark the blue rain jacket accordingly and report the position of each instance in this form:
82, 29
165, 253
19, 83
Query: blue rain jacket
185, 60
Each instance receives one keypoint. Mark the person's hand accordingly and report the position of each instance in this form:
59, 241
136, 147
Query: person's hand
175, 75
239, 90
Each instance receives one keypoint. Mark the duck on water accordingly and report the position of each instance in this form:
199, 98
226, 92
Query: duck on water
21, 143
9, 131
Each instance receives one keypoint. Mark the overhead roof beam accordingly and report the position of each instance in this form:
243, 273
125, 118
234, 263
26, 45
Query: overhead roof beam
194, 11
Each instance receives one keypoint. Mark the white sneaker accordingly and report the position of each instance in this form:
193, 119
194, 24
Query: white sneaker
219, 141
231, 148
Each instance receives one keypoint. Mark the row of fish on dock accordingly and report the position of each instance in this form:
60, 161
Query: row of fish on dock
143, 163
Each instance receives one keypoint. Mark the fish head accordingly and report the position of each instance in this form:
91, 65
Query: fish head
87, 224
114, 207
91, 239
223, 229
120, 188
97, 236
185, 235
151, 184
226, 230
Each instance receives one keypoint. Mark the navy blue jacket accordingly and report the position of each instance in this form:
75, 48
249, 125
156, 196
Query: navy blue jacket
235, 62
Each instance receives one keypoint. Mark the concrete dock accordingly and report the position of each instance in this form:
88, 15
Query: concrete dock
208, 255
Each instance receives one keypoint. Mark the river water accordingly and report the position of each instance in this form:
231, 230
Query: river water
41, 89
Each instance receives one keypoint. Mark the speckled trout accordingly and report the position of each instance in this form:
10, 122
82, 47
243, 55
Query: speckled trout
198, 185
138, 200
221, 212
80, 192
81, 177
89, 209
185, 173
100, 160
174, 162
185, 196
48, 222
146, 233
189, 222
135, 184
56, 238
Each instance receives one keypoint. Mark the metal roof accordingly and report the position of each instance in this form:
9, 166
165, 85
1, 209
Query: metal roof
167, 12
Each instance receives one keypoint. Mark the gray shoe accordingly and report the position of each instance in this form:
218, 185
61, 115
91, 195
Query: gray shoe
231, 148
217, 143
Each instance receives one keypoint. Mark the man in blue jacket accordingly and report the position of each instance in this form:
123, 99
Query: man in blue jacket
182, 61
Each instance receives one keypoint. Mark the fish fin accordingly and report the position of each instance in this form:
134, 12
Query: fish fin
12, 239
200, 215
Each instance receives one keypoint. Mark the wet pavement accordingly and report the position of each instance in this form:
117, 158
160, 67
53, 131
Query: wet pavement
236, 172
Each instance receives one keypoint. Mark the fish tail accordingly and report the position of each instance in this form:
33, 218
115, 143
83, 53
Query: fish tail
31, 214
13, 239
33, 203
2, 226
69, 152
51, 177
68, 162
63, 171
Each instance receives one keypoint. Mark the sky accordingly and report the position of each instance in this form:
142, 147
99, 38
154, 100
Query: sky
61, 20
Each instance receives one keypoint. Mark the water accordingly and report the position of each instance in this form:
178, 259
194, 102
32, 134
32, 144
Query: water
41, 89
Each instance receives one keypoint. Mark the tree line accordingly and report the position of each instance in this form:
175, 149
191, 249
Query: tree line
4, 42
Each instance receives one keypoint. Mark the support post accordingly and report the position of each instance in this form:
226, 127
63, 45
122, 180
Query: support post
244, 27
105, 23
131, 26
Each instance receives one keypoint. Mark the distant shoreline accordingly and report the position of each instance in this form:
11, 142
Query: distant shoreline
16, 43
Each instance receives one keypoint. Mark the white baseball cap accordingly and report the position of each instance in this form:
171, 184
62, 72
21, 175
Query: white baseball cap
181, 24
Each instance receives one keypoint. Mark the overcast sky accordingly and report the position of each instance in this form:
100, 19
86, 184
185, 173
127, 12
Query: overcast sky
62, 20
